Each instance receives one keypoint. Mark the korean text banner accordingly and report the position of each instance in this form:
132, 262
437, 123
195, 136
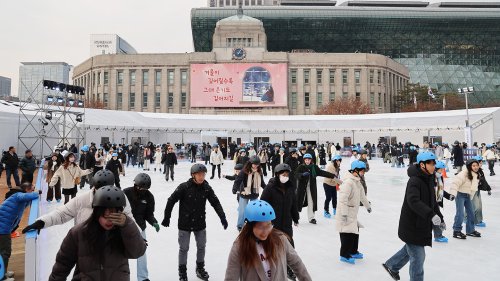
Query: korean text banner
239, 85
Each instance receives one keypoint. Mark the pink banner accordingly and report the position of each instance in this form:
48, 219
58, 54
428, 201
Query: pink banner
239, 85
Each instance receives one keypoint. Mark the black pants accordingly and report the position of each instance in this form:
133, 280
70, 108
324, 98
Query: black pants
5, 249
491, 165
56, 189
263, 166
348, 244
117, 181
169, 170
28, 177
207, 158
213, 170
331, 195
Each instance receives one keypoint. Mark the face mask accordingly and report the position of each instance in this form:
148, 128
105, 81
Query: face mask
438, 174
283, 179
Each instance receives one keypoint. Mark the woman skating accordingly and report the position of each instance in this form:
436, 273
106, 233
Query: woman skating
330, 185
69, 174
51, 167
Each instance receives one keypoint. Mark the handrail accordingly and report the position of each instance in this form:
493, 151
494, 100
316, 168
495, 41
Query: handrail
31, 254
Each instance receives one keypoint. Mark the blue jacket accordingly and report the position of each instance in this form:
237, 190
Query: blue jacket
11, 210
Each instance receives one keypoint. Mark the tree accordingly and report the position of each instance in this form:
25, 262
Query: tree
344, 106
93, 103
415, 98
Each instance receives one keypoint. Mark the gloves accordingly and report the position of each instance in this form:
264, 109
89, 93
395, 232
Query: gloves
452, 197
443, 226
369, 210
436, 220
166, 222
157, 227
40, 192
37, 225
489, 192
224, 222
305, 174
344, 218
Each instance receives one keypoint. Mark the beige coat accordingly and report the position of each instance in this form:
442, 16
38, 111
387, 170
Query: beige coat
461, 183
330, 168
68, 176
235, 271
349, 196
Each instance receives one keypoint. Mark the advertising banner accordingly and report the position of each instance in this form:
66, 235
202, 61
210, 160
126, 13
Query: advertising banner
239, 85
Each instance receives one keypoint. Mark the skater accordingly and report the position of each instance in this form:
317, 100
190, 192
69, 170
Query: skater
249, 184
293, 161
51, 167
147, 158
28, 167
169, 160
193, 149
350, 195
87, 161
418, 214
440, 195
322, 156
99, 160
69, 175
490, 157
307, 191
363, 158
157, 158
280, 194
354, 155
193, 196
101, 246
216, 159
11, 213
458, 157
446, 155
142, 203
331, 185
477, 203
207, 151
242, 158
116, 168
261, 253
412, 155
11, 162
264, 158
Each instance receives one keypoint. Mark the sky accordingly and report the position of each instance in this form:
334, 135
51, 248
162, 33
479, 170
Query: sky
57, 30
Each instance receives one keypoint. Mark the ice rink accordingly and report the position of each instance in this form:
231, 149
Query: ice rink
318, 245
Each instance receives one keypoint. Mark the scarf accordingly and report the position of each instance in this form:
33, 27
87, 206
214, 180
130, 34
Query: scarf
312, 168
253, 185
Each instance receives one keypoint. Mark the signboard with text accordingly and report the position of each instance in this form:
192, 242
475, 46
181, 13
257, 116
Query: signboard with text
239, 85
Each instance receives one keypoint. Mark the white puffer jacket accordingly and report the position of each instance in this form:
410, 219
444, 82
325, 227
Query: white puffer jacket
351, 193
216, 158
461, 183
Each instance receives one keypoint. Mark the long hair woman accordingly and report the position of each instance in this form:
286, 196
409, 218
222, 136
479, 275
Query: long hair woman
68, 174
261, 253
51, 167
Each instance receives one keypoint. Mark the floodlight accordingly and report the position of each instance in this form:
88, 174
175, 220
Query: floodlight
48, 115
471, 89
79, 118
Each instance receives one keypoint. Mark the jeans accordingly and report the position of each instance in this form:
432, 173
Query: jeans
14, 173
201, 242
415, 255
438, 232
142, 263
242, 204
491, 166
463, 200
477, 207
169, 171
331, 195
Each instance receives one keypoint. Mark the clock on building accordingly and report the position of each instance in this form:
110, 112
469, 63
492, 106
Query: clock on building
239, 53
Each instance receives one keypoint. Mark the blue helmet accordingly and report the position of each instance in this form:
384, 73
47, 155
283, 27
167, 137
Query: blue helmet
479, 158
358, 165
259, 211
426, 156
412, 147
215, 145
114, 154
307, 156
336, 157
85, 148
242, 150
489, 145
440, 165
355, 149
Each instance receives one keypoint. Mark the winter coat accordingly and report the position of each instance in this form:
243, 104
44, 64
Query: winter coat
322, 156
147, 154
49, 171
114, 166
107, 265
351, 193
99, 160
489, 155
419, 206
87, 161
458, 156
483, 184
282, 198
277, 159
192, 211
140, 156
235, 271
241, 182
169, 159
263, 158
439, 152
216, 157
412, 155
11, 161
331, 169
446, 153
242, 160
158, 157
461, 183
11, 210
142, 205
27, 165
302, 185
78, 208
68, 176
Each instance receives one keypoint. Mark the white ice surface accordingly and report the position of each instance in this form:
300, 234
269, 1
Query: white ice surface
318, 245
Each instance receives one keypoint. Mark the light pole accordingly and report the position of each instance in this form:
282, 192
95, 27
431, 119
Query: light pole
468, 130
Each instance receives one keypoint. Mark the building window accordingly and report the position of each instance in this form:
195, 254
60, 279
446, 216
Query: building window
344, 76
145, 100
145, 77
170, 100
105, 100
372, 100
119, 77
379, 76
171, 77
183, 100
371, 76
357, 76
332, 96
119, 101
306, 100
385, 101
157, 100
93, 79
320, 100
132, 101
106, 78
345, 95
358, 96
379, 99
319, 76
293, 76
132, 77
158, 77
383, 77
306, 76
332, 76
184, 77
98, 78
294, 100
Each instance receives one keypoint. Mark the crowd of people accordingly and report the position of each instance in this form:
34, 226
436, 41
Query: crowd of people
273, 183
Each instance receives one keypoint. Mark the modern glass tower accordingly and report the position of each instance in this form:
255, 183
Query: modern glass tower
445, 45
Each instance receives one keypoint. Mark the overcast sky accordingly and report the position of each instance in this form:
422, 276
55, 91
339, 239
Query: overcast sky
58, 30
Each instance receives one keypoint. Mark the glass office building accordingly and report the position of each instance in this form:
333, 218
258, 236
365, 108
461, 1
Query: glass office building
32, 74
446, 46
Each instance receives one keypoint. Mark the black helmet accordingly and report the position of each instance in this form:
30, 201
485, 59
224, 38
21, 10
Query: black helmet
255, 160
280, 168
102, 178
470, 161
292, 150
363, 151
238, 167
109, 197
142, 180
196, 168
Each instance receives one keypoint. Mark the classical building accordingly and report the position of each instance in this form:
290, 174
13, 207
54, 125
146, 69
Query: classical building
240, 76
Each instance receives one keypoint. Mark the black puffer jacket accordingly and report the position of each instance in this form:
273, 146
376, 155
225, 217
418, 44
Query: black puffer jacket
419, 206
282, 198
143, 206
87, 161
169, 159
192, 211
11, 161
